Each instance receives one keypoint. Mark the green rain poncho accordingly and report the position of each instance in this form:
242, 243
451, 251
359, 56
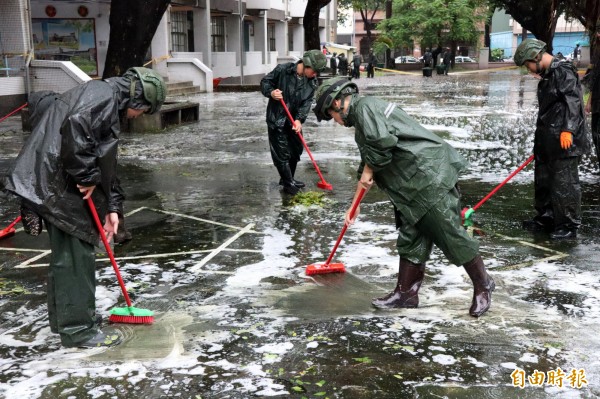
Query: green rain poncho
411, 164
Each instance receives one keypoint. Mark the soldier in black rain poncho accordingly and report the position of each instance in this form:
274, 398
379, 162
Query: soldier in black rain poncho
419, 173
70, 155
295, 82
560, 140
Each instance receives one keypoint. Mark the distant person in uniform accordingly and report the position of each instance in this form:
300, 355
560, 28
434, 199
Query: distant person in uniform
356, 60
333, 64
343, 64
447, 60
427, 57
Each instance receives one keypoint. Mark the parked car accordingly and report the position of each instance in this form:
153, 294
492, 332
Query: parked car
462, 58
406, 59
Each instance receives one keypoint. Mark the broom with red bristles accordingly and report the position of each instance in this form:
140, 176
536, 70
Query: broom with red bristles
10, 230
328, 267
130, 314
322, 184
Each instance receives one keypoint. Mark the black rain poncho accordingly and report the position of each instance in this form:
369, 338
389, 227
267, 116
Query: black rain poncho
560, 110
297, 92
74, 142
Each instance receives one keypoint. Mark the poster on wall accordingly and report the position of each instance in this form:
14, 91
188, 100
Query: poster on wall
66, 39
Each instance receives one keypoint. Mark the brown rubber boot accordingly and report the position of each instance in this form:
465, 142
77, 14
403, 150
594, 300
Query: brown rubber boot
406, 293
483, 285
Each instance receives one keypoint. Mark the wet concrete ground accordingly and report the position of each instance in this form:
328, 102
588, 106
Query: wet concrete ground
219, 254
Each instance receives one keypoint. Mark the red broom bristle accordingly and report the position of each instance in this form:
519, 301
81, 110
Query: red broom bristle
113, 318
7, 232
321, 268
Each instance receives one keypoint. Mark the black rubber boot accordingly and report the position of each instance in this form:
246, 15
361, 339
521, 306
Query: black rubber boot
297, 183
406, 293
483, 285
539, 223
123, 235
563, 233
288, 181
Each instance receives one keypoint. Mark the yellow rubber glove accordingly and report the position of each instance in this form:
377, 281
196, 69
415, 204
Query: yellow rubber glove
566, 140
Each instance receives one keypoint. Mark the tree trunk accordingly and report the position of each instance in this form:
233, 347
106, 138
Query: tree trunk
537, 17
388, 51
132, 27
311, 24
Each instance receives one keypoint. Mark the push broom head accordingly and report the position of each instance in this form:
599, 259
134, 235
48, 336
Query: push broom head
324, 185
131, 315
7, 232
324, 268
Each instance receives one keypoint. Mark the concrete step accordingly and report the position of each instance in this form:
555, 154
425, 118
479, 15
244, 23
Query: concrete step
183, 91
172, 113
179, 84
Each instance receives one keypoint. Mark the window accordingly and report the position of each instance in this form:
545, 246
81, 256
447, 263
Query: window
217, 25
179, 31
271, 35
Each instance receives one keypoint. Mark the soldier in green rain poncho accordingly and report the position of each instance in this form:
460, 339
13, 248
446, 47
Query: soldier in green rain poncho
419, 173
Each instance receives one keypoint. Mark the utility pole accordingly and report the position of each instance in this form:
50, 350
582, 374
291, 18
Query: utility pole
388, 51
241, 43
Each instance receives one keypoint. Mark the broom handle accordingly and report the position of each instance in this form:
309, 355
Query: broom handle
361, 194
10, 226
287, 111
487, 197
108, 250
13, 112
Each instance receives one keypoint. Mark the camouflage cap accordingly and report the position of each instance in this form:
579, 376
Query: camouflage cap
153, 86
528, 50
328, 92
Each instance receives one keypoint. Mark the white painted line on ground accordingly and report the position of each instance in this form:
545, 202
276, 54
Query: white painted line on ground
31, 260
557, 254
529, 244
141, 208
196, 267
22, 250
28, 264
190, 217
212, 252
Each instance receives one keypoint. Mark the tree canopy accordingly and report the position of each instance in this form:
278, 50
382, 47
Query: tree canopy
434, 22
367, 10
538, 17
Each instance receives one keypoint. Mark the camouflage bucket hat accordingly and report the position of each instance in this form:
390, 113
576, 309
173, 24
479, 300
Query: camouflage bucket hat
314, 59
